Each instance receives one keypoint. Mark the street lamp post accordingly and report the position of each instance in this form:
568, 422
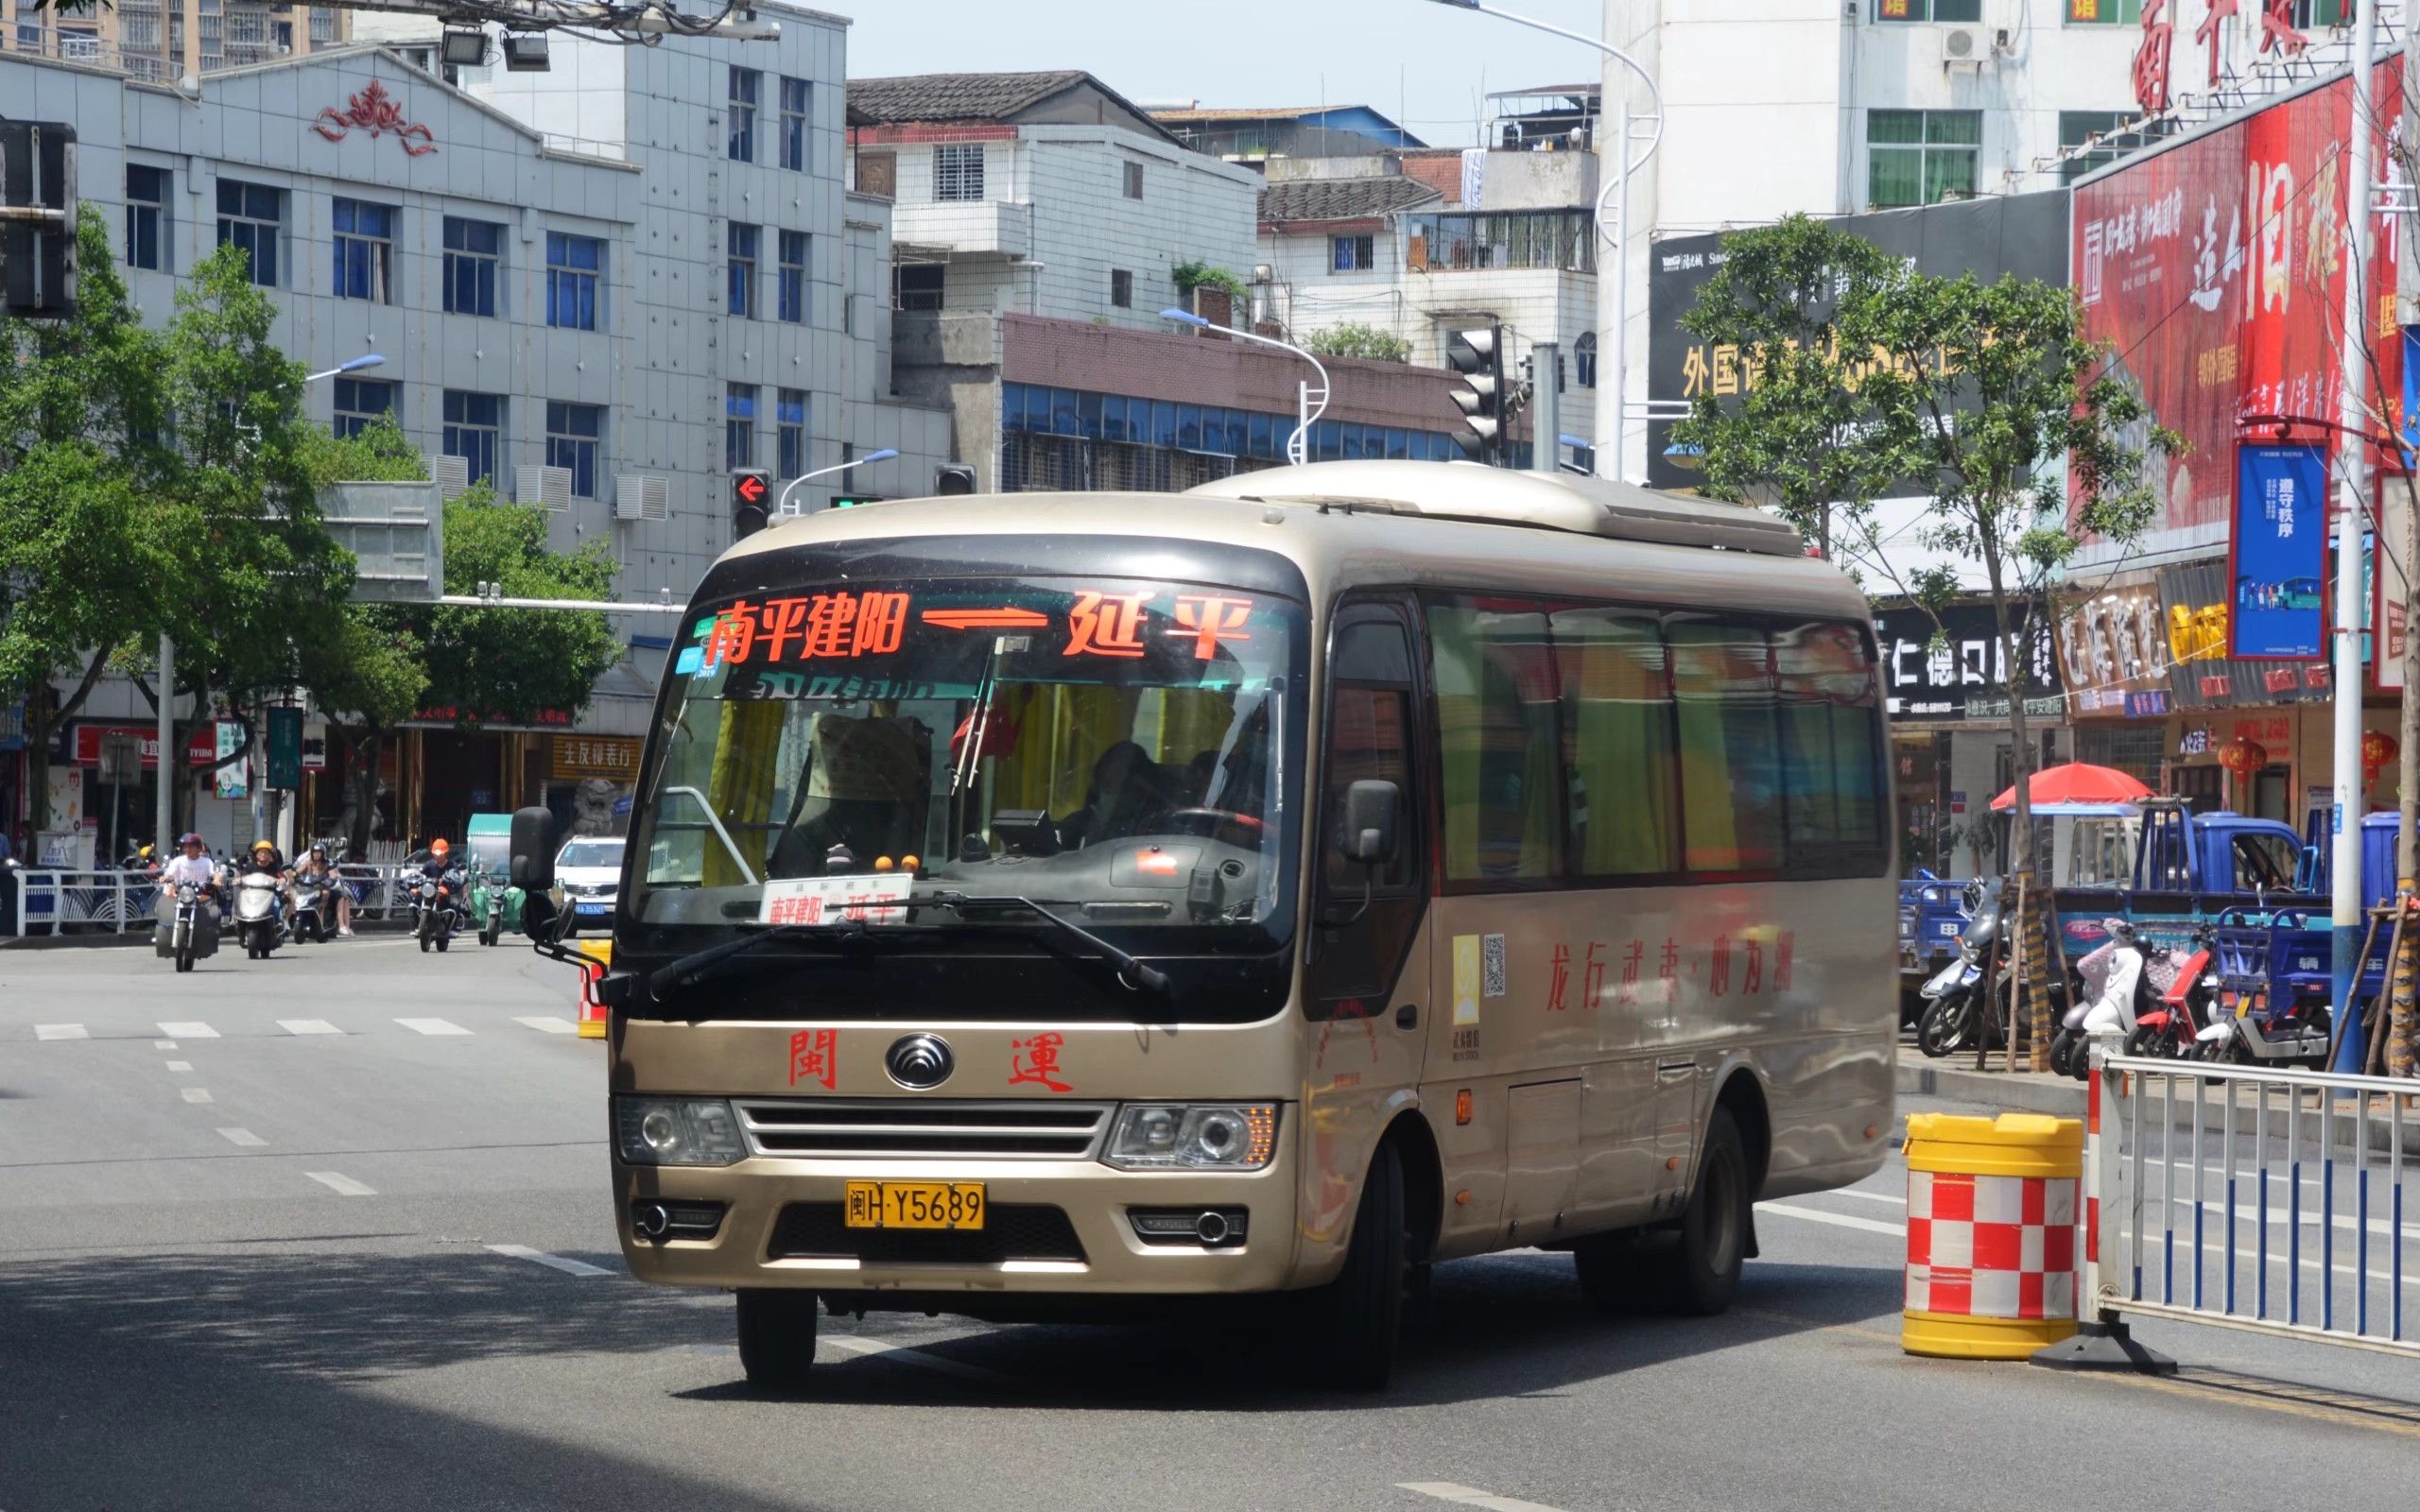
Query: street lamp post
782, 505
1613, 332
170, 762
1310, 403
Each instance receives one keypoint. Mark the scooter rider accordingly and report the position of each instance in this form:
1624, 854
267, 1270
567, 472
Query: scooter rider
264, 858
441, 868
316, 867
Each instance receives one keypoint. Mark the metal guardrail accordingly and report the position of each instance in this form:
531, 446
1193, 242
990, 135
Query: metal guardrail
50, 900
2269, 1200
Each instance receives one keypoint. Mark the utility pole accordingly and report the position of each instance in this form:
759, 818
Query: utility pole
169, 768
1545, 406
2353, 496
2400, 1047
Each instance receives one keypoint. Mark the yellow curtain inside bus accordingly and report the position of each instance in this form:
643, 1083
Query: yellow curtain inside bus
1617, 693
740, 785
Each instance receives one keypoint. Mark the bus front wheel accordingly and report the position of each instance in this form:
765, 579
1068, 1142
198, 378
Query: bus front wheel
1364, 1332
776, 1338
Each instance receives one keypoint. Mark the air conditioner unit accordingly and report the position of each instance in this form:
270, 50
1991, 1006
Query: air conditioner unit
452, 475
549, 488
1962, 45
638, 496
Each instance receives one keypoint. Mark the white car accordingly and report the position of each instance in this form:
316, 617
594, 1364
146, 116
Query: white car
589, 871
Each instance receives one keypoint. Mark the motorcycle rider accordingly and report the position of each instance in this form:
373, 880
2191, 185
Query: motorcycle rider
192, 864
315, 868
441, 868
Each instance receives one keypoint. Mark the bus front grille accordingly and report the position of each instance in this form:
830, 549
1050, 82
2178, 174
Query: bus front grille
1010, 1232
935, 1128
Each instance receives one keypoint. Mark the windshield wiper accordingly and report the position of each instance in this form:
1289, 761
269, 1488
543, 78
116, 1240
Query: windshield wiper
1132, 973
698, 964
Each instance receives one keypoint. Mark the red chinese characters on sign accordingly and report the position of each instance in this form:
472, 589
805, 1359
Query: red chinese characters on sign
1206, 617
1592, 981
2207, 32
2277, 28
1753, 979
374, 112
2151, 58
815, 1056
1106, 625
1718, 973
817, 628
1560, 978
1034, 1061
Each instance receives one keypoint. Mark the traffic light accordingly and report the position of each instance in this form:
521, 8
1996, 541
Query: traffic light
751, 500
38, 234
1477, 354
953, 478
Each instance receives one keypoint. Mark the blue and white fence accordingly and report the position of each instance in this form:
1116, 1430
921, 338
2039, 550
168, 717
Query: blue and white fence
56, 901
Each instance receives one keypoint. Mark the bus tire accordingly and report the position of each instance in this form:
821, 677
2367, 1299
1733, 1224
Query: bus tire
1363, 1331
1701, 1270
776, 1338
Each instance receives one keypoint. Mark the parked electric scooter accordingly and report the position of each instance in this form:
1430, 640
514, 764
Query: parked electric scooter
2169, 1027
1955, 1014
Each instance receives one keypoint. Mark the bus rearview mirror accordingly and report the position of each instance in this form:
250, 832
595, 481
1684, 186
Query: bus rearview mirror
533, 849
1373, 813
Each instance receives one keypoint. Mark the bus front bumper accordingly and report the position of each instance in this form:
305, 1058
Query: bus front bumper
1051, 1227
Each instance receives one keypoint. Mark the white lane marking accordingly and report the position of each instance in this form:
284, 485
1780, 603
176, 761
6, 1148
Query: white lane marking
343, 1185
1448, 1491
431, 1027
548, 1025
180, 1065
244, 1137
569, 1267
197, 1094
1843, 1220
188, 1031
1892, 1198
855, 1344
61, 1031
163, 1045
308, 1026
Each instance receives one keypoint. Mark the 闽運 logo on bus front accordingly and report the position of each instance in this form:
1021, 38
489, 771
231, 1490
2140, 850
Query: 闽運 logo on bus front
920, 1060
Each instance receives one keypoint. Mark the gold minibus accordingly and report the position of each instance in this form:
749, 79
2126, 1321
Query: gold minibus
1065, 904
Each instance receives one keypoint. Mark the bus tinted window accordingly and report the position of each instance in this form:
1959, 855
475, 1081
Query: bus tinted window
1731, 799
1618, 742
1830, 748
1497, 742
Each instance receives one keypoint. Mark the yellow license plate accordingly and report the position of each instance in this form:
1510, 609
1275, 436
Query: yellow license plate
915, 1204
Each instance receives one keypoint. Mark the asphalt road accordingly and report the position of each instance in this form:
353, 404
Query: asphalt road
350, 1248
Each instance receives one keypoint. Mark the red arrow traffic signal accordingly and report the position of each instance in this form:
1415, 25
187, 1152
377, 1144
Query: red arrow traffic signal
751, 490
750, 487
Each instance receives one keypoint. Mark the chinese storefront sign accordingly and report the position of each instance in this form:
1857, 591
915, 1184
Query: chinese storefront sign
1964, 674
232, 778
2112, 652
612, 757
2278, 565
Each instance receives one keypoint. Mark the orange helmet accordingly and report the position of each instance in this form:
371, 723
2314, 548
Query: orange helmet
438, 847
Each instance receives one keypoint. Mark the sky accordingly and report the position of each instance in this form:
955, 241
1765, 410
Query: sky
1421, 64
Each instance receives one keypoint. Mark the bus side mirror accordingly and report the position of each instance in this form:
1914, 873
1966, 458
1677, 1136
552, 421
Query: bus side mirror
1373, 813
533, 849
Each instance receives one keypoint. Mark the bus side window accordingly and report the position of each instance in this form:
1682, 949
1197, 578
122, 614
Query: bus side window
1370, 736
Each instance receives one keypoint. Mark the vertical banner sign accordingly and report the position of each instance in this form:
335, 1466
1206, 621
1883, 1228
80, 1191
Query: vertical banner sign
2388, 581
286, 749
231, 779
2277, 561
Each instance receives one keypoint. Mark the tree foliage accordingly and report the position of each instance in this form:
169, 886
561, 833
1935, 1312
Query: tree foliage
1355, 340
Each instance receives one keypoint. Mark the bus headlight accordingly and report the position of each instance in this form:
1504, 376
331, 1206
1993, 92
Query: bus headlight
1193, 1137
670, 1131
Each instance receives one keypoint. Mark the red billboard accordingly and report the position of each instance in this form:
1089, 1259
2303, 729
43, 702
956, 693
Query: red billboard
2215, 268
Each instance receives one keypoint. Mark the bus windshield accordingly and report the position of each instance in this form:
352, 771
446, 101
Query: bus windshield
1114, 750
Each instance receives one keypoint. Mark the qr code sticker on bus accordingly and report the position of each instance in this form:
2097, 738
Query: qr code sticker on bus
1491, 966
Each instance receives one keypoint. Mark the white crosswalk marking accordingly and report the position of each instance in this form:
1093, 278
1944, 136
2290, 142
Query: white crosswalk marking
308, 1026
568, 1266
188, 1031
181, 1065
163, 1045
197, 1094
546, 1025
431, 1027
1466, 1496
344, 1186
60, 1031
244, 1137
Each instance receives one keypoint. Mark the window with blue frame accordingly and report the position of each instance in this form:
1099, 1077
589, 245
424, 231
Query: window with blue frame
741, 111
1040, 410
573, 433
252, 216
740, 426
790, 419
360, 400
794, 99
789, 284
474, 254
364, 244
742, 246
575, 271
474, 431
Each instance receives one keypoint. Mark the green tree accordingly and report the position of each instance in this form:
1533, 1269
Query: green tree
2033, 445
82, 553
1354, 339
512, 663
1794, 300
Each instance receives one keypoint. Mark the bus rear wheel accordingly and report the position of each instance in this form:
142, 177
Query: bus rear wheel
776, 1338
1363, 1331
1693, 1269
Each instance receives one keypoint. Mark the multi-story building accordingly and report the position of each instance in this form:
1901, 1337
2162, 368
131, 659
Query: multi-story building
1042, 224
166, 40
602, 288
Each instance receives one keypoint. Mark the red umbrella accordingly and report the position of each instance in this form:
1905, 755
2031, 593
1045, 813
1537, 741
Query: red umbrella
2078, 782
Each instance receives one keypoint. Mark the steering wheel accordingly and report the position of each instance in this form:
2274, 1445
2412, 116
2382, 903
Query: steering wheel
1206, 822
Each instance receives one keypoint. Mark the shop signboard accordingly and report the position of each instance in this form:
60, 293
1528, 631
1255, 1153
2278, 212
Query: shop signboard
2213, 267
614, 758
2202, 674
2277, 556
202, 745
2113, 653
286, 749
2394, 532
1991, 236
231, 778
1966, 674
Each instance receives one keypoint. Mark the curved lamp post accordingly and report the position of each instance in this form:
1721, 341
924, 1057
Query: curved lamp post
782, 505
1310, 403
